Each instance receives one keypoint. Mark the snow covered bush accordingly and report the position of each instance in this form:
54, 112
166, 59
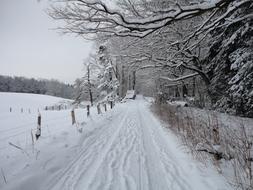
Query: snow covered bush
224, 139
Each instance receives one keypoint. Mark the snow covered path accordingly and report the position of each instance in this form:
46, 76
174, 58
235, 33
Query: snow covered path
132, 151
126, 149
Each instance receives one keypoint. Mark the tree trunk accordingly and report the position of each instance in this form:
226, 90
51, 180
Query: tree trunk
134, 79
193, 87
89, 84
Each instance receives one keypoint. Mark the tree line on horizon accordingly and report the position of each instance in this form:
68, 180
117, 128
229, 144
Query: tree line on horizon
36, 86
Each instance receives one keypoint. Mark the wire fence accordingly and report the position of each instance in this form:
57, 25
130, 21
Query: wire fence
23, 131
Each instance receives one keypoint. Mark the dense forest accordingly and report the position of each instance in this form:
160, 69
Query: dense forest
42, 86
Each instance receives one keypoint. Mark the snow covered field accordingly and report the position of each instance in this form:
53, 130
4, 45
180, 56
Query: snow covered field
124, 148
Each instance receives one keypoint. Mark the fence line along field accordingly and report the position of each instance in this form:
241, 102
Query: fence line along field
19, 125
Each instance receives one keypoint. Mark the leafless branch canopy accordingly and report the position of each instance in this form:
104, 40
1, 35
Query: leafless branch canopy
94, 17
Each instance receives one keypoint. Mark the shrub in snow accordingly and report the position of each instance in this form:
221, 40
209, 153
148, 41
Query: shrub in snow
227, 140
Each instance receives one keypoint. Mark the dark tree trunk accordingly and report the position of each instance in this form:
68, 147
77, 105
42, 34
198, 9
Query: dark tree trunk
89, 84
134, 79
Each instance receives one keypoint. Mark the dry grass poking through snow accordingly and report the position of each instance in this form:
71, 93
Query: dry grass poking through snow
227, 140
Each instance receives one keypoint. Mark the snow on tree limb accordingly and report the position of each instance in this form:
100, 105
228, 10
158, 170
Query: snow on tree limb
180, 78
94, 16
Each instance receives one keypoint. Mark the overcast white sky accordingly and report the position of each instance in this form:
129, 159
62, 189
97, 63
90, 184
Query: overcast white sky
29, 47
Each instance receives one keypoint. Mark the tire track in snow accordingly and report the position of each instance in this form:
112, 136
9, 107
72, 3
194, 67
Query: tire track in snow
129, 137
153, 166
94, 141
116, 164
98, 162
130, 151
129, 179
174, 179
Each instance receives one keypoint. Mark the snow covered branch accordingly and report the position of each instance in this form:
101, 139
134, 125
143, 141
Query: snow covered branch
95, 16
180, 78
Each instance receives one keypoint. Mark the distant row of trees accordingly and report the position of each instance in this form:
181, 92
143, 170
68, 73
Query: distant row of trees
42, 86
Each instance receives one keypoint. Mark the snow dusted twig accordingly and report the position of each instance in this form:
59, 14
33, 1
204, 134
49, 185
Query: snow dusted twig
32, 140
217, 154
18, 147
180, 78
5, 180
37, 155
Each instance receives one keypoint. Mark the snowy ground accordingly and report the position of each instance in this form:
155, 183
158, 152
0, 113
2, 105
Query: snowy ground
124, 148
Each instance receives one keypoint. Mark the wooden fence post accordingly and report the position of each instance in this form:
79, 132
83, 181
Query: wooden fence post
73, 117
105, 107
216, 133
38, 132
88, 110
216, 136
98, 109
32, 139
